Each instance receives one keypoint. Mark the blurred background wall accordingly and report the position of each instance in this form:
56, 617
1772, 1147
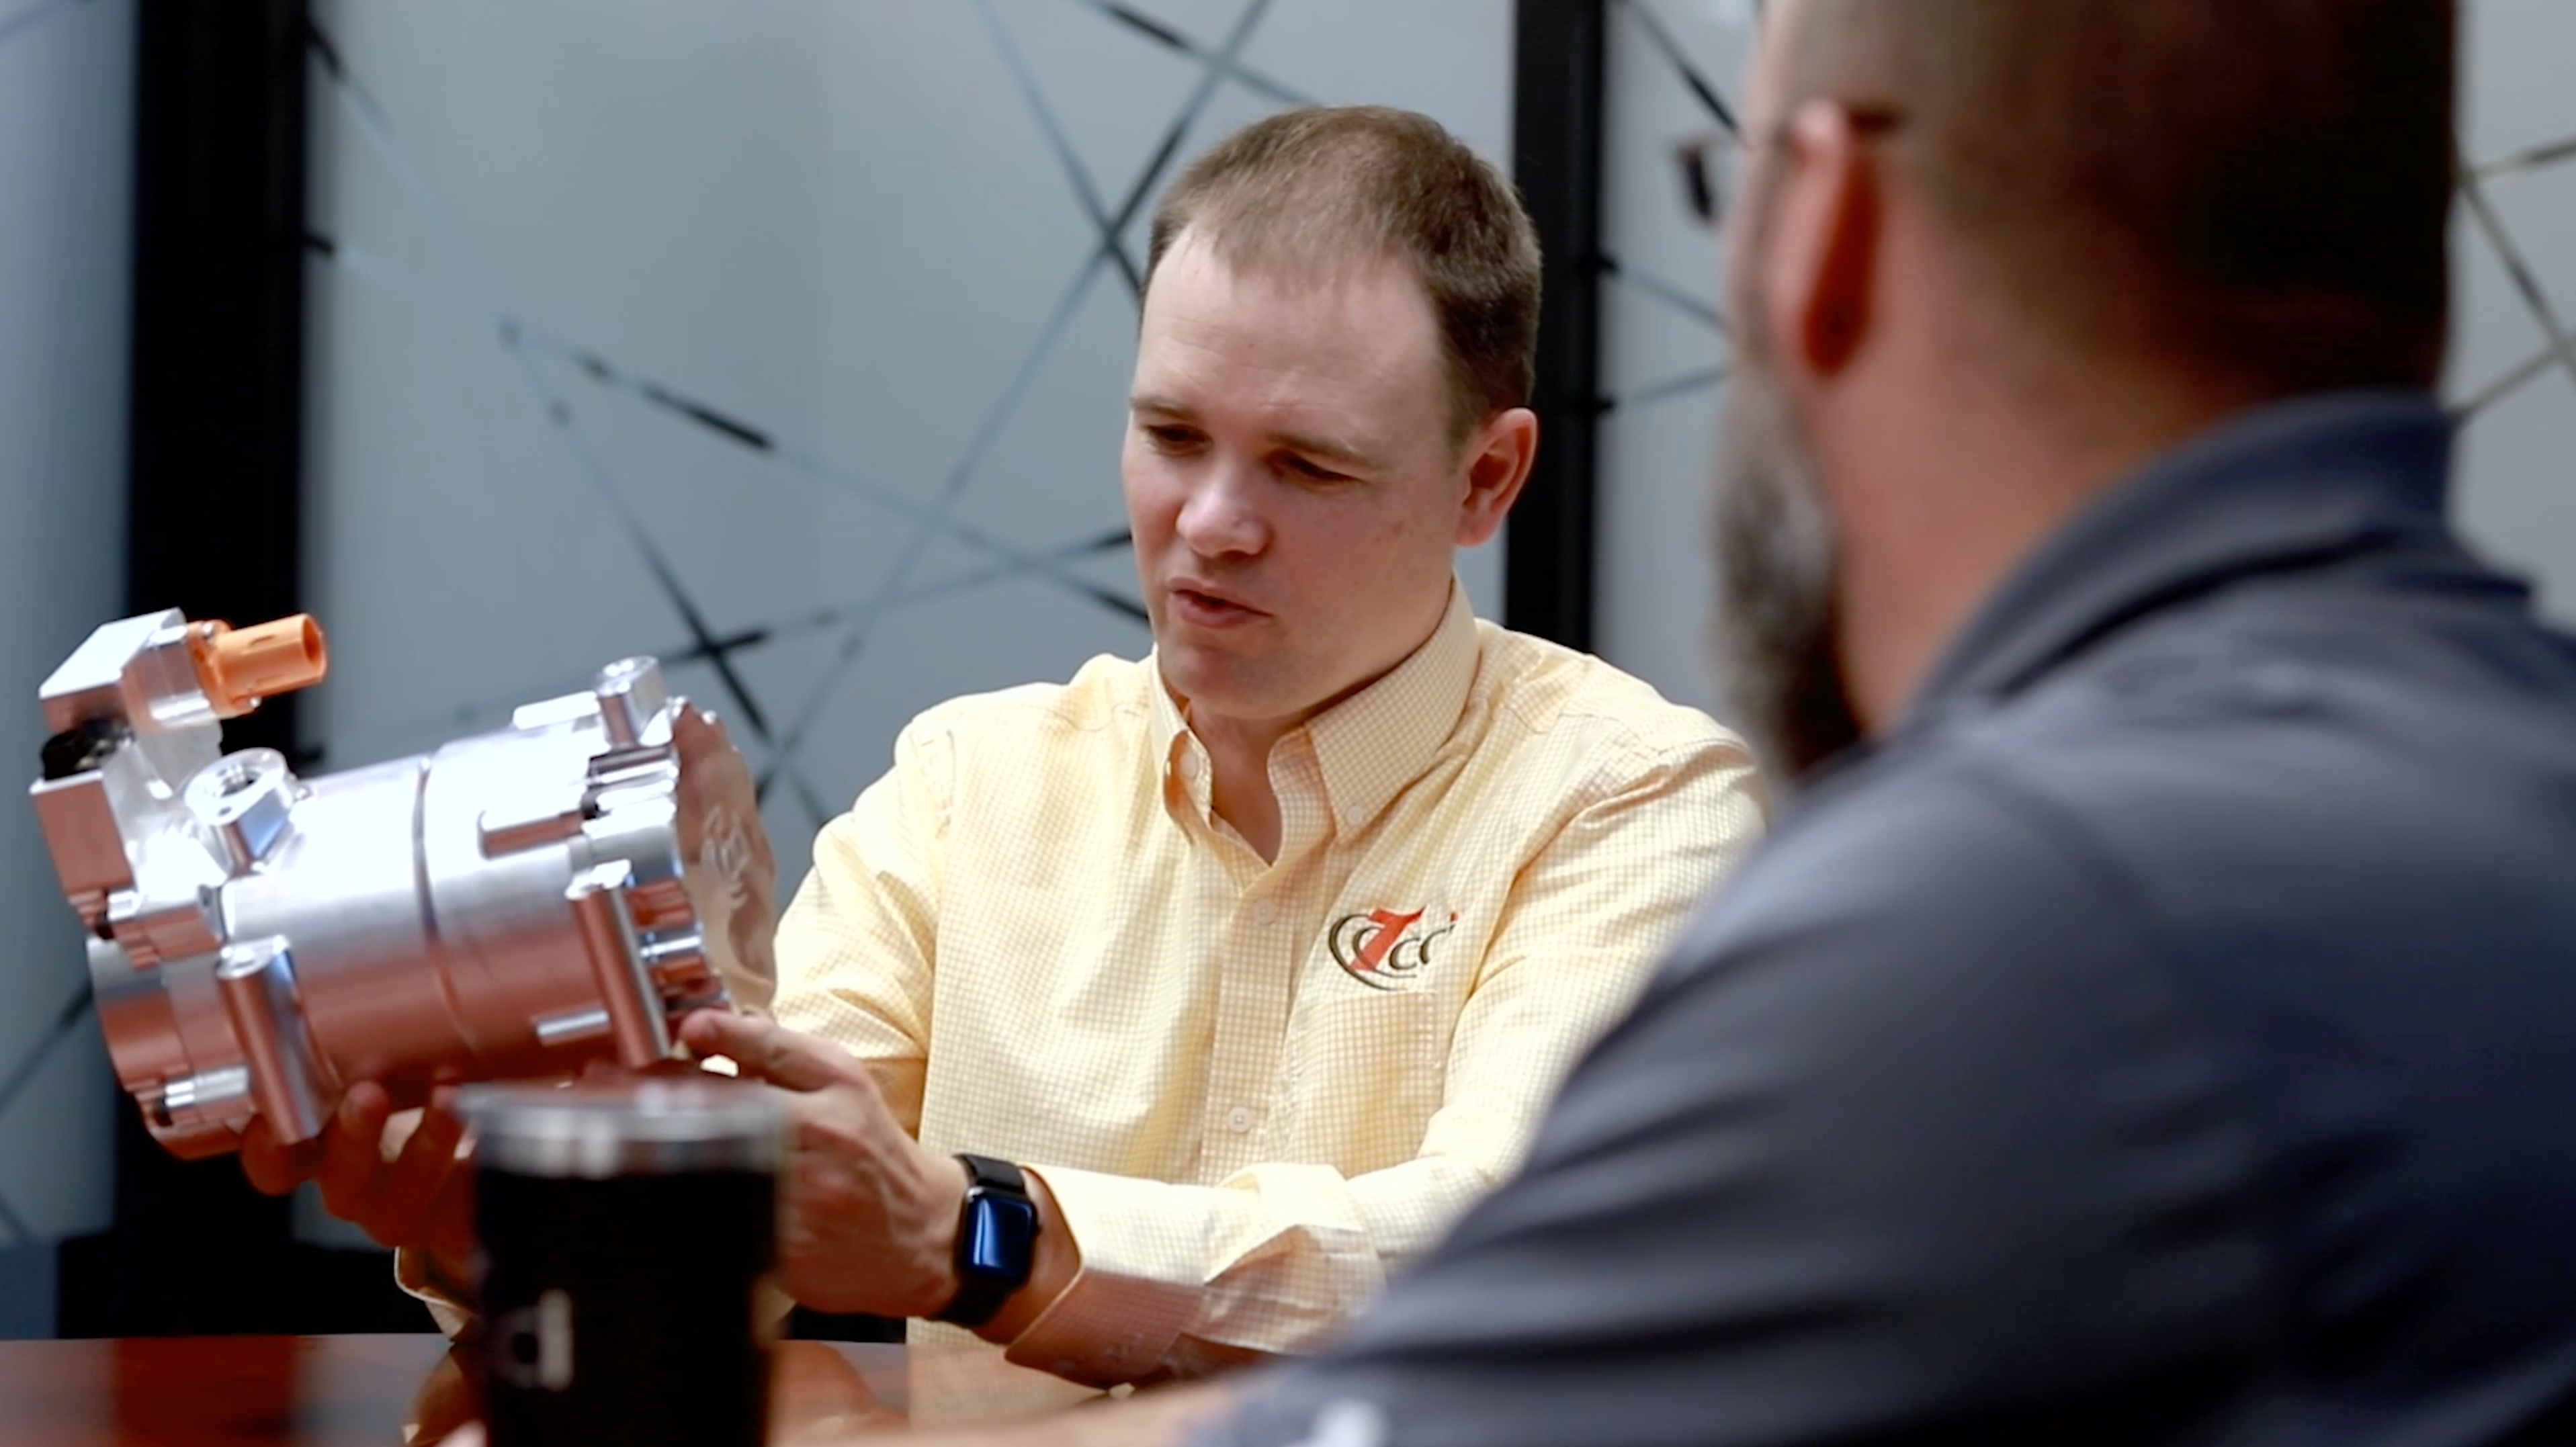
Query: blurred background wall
789, 341
66, 141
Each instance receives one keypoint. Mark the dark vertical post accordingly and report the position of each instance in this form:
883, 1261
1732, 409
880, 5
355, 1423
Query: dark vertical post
214, 497
218, 386
1556, 157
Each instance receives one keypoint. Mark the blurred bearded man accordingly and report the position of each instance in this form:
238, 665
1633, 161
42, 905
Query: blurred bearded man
2150, 1021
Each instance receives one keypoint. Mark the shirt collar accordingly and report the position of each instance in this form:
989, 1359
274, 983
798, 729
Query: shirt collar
1380, 739
2297, 482
1173, 741
1371, 744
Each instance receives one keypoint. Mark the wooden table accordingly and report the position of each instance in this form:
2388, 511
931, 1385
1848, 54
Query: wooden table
380, 1391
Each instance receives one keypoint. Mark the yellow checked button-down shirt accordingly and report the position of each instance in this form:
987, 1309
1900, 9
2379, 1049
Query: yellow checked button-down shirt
1256, 1088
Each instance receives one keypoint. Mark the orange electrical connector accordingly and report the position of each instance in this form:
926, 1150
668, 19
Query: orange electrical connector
238, 668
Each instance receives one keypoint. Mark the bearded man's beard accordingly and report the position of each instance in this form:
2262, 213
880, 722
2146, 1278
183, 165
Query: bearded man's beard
1777, 659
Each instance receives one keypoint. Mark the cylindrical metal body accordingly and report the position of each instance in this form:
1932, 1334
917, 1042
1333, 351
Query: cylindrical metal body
600, 1327
513, 905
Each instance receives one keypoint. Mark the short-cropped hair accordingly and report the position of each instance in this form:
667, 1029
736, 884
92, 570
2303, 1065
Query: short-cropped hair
2259, 186
1310, 189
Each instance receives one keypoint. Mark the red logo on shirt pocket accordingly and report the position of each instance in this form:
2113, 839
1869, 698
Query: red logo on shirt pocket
1384, 949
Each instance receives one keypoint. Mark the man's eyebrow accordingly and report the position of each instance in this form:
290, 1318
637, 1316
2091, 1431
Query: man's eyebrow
1342, 453
1160, 407
1147, 404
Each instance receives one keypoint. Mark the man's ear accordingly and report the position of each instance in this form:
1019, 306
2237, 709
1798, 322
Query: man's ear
1498, 464
1823, 251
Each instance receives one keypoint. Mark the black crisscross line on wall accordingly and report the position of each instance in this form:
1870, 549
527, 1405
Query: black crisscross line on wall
1112, 228
1235, 70
73, 1016
2535, 158
1678, 299
1109, 228
2558, 344
1700, 88
373, 126
829, 617
1108, 243
704, 643
1010, 560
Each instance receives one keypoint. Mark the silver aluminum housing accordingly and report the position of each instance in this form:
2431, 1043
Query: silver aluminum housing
514, 905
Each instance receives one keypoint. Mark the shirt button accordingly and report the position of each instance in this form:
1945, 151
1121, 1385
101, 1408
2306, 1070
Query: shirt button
1263, 912
1238, 1120
1190, 767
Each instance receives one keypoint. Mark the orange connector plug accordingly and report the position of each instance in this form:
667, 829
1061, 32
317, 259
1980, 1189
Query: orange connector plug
238, 668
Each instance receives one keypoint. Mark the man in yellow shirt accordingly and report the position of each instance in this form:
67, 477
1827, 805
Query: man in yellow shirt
1238, 972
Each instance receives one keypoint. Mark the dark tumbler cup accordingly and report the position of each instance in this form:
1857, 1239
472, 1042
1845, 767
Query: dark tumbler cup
627, 1231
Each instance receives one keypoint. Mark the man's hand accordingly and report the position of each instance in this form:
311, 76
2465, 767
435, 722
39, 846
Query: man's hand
398, 1178
871, 1218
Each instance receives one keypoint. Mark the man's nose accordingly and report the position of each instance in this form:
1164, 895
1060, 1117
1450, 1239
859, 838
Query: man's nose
1222, 515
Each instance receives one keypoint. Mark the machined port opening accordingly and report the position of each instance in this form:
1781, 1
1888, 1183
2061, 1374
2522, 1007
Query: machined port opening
235, 777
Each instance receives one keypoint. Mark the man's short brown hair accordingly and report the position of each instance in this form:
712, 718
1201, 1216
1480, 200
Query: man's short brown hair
2261, 186
1318, 186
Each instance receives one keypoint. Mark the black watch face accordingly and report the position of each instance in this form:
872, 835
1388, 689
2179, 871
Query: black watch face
999, 1231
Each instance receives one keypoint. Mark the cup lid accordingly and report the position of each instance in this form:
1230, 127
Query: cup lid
597, 1129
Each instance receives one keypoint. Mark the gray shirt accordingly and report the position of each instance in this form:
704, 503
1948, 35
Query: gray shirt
2167, 1035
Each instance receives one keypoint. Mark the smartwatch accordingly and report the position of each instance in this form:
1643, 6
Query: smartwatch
997, 1232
